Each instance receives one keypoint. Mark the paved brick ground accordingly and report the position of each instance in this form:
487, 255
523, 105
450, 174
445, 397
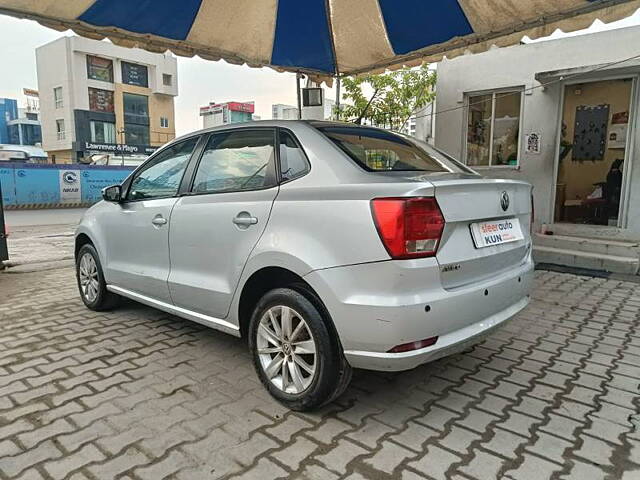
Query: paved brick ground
140, 394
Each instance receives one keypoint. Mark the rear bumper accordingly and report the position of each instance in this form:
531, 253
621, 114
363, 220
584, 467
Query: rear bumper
448, 344
380, 305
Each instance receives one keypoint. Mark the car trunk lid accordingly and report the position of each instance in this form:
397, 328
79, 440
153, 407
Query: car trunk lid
466, 202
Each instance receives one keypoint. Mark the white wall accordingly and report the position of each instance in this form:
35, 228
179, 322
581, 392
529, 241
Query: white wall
212, 119
52, 64
516, 67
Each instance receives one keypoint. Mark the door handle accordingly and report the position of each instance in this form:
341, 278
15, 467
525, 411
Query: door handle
244, 219
159, 220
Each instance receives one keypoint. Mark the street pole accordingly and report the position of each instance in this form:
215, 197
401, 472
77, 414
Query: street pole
121, 132
298, 76
4, 251
337, 112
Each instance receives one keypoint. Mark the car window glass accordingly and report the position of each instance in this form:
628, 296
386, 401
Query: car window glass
293, 162
162, 176
236, 161
380, 151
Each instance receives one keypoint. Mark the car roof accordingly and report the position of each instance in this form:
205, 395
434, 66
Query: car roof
271, 123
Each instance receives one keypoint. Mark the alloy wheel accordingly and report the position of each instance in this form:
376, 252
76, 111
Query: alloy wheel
89, 281
286, 349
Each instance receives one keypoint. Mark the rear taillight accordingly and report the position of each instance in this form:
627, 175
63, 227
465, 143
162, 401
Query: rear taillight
408, 227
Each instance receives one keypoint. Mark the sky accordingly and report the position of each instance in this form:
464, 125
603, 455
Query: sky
199, 81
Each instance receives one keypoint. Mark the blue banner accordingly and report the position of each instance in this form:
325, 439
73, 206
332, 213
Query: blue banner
42, 185
8, 185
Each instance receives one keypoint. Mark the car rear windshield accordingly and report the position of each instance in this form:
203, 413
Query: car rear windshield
377, 150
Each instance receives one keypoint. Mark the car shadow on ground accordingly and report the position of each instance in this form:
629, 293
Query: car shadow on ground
414, 387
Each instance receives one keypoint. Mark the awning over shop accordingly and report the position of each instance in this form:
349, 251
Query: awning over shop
624, 67
319, 37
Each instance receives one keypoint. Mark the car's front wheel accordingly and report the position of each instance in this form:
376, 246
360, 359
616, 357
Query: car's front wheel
296, 356
93, 288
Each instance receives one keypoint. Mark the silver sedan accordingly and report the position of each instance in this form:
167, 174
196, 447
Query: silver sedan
329, 246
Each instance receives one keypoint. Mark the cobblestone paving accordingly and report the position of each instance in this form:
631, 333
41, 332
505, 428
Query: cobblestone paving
139, 394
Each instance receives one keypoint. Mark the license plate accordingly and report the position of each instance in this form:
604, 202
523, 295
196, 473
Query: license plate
496, 232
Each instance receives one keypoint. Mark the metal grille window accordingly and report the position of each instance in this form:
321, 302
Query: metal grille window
493, 128
57, 96
60, 129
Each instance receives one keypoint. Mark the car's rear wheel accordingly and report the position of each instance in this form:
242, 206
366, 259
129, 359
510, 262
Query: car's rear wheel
93, 288
296, 356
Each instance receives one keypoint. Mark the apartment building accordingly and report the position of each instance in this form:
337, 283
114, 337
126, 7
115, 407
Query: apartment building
97, 98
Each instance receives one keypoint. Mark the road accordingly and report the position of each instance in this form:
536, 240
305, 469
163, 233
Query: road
41, 239
47, 216
139, 394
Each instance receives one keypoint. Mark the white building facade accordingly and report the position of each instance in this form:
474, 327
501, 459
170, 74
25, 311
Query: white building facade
216, 114
96, 97
562, 115
280, 111
533, 91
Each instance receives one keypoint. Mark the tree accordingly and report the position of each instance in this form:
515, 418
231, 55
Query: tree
387, 99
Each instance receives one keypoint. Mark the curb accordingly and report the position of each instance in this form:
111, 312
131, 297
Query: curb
37, 206
37, 267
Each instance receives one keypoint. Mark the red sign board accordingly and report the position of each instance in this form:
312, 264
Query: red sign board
241, 107
233, 106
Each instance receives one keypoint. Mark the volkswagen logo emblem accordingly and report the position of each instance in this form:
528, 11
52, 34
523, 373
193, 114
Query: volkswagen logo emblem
504, 201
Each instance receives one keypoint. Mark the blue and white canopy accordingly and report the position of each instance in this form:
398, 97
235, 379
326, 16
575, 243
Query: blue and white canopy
323, 38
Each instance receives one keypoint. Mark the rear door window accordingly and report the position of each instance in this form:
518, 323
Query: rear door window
381, 151
236, 161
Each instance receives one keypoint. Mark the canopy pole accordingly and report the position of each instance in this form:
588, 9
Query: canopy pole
298, 75
337, 112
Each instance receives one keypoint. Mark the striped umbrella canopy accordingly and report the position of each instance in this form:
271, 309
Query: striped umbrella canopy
322, 38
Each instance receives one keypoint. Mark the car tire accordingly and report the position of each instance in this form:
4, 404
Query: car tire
91, 283
296, 355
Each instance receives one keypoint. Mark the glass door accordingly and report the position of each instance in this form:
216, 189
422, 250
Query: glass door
592, 158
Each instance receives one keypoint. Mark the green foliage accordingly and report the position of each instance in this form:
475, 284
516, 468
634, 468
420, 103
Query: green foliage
387, 99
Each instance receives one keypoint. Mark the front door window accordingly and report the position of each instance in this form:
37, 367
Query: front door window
161, 177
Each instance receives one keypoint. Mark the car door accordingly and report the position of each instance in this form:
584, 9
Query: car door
215, 227
137, 229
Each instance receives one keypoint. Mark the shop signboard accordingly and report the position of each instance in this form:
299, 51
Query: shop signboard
119, 148
100, 100
134, 74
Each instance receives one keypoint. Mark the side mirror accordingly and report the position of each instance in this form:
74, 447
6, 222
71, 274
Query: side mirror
112, 193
